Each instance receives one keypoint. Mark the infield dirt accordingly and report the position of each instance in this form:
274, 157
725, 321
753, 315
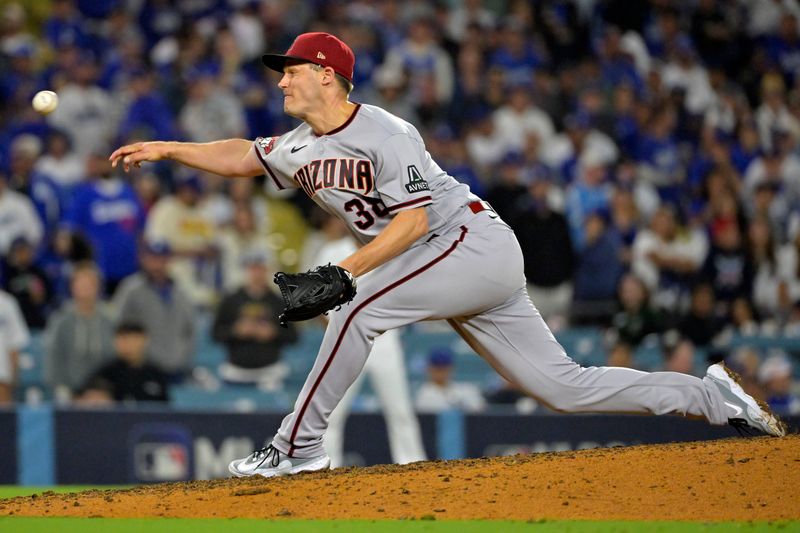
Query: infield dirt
731, 479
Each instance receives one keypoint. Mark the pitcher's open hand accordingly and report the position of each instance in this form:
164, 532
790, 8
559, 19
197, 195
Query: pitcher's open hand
135, 154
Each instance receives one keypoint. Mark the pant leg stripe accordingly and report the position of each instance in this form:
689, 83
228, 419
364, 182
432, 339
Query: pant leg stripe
347, 322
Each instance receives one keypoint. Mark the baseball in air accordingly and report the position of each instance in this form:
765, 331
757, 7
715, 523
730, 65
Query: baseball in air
45, 102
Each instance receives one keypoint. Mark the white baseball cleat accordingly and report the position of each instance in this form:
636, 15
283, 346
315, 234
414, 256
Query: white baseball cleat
745, 411
269, 462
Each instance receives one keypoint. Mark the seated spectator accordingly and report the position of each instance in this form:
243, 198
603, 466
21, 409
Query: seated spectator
246, 324
235, 242
679, 354
745, 361
106, 212
788, 265
508, 189
40, 189
701, 324
78, 338
666, 258
763, 256
621, 355
152, 298
14, 336
636, 319
544, 232
590, 192
598, 273
743, 318
775, 375
728, 268
60, 163
441, 393
18, 217
180, 221
128, 378
27, 283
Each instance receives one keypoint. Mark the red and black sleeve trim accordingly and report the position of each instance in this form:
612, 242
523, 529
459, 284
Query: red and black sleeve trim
269, 170
409, 203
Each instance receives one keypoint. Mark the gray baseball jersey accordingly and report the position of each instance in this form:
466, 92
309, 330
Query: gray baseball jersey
373, 166
467, 270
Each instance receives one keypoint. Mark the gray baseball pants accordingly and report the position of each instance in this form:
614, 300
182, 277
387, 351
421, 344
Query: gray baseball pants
472, 276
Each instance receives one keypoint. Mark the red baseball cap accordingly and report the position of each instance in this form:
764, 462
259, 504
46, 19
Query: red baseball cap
316, 47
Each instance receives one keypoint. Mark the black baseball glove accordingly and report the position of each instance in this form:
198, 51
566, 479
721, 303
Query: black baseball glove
312, 293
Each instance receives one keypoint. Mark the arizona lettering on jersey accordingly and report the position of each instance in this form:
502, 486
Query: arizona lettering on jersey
365, 172
341, 173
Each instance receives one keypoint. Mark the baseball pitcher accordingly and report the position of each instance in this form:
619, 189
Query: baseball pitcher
433, 250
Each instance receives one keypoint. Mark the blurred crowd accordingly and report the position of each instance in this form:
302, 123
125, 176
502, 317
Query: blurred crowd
646, 154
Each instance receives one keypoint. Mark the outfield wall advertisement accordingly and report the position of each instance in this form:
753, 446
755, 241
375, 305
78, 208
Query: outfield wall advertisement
135, 446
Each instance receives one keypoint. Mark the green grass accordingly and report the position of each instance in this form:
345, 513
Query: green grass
11, 491
79, 525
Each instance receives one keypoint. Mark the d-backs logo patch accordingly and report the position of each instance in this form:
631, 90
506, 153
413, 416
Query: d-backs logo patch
415, 181
266, 144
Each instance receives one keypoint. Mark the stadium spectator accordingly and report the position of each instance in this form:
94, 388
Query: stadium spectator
27, 283
701, 324
520, 118
211, 109
246, 324
598, 272
544, 232
509, 187
107, 214
179, 220
666, 258
78, 338
636, 319
236, 242
746, 361
679, 354
40, 189
14, 336
85, 111
727, 267
762, 253
154, 299
773, 116
589, 193
391, 93
147, 116
128, 378
441, 393
789, 270
621, 355
60, 163
420, 54
775, 375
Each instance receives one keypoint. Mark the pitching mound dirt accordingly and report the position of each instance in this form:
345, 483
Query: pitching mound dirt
735, 479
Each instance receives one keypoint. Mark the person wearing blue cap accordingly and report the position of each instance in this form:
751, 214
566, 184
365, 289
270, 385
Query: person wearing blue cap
180, 220
441, 392
152, 298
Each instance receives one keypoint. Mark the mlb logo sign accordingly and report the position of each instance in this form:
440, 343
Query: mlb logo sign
160, 452
161, 461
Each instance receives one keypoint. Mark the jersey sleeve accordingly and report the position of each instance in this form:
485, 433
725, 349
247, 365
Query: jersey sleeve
399, 173
269, 158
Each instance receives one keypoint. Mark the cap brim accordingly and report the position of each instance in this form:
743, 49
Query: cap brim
276, 62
